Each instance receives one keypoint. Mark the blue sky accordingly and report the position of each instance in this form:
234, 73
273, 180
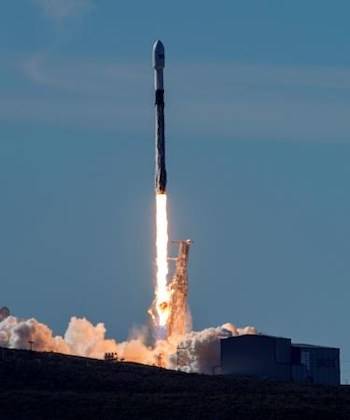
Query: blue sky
258, 101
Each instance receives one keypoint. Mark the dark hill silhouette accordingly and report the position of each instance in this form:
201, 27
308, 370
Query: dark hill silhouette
52, 386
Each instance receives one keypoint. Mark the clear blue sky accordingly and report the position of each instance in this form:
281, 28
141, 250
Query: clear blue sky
258, 123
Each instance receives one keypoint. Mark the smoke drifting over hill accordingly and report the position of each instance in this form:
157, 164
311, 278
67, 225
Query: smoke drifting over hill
199, 349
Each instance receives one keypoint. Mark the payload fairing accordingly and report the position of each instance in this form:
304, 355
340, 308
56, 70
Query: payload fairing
158, 65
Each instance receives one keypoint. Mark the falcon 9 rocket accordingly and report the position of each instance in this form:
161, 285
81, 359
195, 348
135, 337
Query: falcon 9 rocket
158, 65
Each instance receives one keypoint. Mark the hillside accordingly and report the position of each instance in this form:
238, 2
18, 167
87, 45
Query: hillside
52, 386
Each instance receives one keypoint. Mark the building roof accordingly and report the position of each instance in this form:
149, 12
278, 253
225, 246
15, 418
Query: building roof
313, 346
299, 345
259, 335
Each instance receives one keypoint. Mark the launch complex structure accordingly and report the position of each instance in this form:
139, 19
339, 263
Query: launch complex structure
180, 318
170, 313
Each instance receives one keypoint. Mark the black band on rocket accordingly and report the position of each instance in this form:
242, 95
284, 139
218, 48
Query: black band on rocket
159, 97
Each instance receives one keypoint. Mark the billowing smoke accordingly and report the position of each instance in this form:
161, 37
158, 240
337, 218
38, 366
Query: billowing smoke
199, 351
193, 352
81, 337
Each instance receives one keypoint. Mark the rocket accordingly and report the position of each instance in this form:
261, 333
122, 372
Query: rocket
158, 59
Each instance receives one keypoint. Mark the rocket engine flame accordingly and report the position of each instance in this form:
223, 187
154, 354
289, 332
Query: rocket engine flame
161, 309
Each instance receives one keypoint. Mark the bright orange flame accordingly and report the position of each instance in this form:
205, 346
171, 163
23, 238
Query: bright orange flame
162, 293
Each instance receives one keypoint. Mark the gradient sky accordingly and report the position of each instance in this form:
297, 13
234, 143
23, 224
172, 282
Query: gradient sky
258, 123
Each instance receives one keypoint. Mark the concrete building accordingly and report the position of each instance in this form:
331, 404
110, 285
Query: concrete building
278, 358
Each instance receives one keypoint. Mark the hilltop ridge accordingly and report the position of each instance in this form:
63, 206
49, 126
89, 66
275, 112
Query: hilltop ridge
37, 385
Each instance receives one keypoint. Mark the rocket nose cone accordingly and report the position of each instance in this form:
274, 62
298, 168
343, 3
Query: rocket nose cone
158, 56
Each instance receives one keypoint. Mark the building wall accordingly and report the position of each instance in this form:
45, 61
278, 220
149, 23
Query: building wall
277, 358
320, 365
259, 356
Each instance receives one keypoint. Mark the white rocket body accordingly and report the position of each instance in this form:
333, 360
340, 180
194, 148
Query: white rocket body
158, 59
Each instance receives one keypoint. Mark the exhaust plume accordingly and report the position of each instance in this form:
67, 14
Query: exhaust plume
161, 309
197, 351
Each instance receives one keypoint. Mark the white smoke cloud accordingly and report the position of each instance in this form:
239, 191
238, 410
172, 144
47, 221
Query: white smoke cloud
60, 9
194, 352
18, 334
200, 350
85, 339
81, 337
